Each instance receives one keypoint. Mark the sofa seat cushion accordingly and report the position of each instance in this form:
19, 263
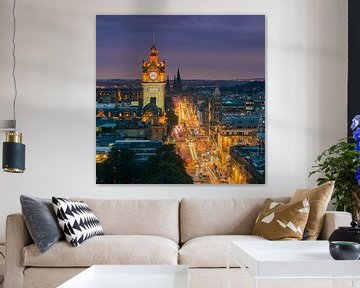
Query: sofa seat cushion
211, 251
107, 249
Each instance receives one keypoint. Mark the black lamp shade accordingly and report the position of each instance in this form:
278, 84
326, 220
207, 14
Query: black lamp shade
13, 157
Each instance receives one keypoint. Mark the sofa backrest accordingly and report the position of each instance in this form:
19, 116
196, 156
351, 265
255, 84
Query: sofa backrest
159, 217
200, 217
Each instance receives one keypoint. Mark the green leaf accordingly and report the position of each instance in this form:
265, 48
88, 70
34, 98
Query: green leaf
339, 163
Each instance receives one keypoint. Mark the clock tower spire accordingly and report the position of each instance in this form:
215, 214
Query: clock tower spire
153, 78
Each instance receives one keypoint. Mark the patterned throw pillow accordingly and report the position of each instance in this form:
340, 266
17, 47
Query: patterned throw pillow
319, 198
77, 220
279, 221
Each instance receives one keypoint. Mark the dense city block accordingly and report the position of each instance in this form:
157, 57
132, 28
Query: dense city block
157, 130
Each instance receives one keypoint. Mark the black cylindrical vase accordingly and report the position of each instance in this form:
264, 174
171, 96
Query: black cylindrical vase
13, 153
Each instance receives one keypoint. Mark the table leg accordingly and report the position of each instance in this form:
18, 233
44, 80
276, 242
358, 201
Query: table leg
355, 283
255, 283
228, 269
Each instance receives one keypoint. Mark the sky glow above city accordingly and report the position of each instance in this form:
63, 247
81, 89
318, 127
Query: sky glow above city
202, 47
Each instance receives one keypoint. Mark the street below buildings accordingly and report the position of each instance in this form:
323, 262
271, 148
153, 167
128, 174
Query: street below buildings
194, 146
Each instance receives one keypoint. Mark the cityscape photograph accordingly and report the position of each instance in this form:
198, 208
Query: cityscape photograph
180, 99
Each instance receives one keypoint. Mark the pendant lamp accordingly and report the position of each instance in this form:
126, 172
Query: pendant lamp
13, 160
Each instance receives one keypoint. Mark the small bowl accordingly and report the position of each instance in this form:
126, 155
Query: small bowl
344, 250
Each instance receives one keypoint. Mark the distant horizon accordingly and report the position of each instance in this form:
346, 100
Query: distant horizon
171, 79
204, 47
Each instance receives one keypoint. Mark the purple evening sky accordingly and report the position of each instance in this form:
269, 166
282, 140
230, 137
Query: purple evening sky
202, 47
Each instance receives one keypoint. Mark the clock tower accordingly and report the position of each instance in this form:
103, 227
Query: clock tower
153, 79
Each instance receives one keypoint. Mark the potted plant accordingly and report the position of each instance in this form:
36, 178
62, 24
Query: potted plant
341, 163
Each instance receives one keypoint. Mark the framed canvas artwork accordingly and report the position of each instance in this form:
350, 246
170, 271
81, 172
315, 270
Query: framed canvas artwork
180, 99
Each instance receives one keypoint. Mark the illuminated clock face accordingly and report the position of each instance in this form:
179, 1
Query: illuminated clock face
153, 75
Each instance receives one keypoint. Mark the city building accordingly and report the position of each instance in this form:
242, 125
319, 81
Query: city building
130, 115
232, 105
177, 85
153, 79
215, 112
142, 149
203, 115
215, 105
121, 110
247, 164
234, 130
167, 87
156, 120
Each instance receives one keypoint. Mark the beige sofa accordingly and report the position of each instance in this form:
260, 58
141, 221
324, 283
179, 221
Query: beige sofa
194, 232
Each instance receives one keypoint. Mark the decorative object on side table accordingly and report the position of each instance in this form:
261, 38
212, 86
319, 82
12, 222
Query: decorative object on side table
341, 163
344, 250
351, 233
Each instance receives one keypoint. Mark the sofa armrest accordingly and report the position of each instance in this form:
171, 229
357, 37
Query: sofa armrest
333, 220
17, 237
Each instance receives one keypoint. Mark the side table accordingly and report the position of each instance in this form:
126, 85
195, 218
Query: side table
293, 263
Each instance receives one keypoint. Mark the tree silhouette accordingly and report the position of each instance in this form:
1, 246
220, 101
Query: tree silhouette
166, 167
119, 167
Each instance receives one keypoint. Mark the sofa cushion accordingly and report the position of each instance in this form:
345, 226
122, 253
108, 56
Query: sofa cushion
41, 221
77, 220
107, 249
319, 198
279, 221
201, 217
211, 251
158, 217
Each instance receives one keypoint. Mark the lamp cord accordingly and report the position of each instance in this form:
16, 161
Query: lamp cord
14, 62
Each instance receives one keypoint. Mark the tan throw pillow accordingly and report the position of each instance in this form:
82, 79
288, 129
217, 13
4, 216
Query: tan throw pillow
279, 221
319, 198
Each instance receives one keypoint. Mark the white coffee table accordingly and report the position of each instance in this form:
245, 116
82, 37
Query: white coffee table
131, 276
292, 260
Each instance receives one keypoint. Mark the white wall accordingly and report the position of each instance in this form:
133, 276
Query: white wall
306, 93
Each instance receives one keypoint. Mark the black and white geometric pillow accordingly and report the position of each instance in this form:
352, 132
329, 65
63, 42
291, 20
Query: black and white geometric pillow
77, 220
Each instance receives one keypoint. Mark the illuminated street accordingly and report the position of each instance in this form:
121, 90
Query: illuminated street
196, 149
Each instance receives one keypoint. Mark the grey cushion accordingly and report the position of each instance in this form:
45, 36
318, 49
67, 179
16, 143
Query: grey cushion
41, 221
